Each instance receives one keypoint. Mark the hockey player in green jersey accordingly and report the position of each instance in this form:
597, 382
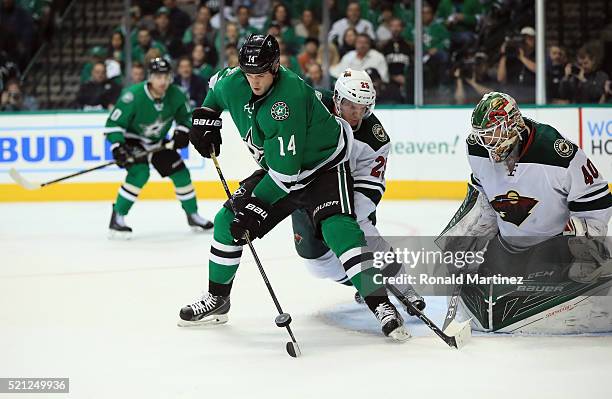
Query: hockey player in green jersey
140, 122
544, 209
353, 100
303, 152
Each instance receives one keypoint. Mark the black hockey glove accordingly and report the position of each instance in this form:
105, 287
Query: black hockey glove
180, 139
250, 214
123, 155
205, 132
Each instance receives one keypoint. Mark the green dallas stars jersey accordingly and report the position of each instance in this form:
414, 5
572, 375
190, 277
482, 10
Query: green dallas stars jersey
138, 116
288, 131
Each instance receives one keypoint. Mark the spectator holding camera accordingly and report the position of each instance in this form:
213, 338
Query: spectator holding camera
13, 99
472, 80
584, 83
555, 70
517, 67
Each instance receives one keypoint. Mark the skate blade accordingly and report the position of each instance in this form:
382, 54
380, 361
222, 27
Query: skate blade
400, 334
200, 229
119, 235
462, 332
207, 321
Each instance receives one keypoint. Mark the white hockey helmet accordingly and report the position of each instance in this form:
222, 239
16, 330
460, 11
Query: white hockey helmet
355, 86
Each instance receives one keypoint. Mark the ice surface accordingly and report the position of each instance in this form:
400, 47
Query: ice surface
74, 304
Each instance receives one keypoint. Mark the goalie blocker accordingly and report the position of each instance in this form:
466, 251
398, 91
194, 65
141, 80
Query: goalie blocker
550, 299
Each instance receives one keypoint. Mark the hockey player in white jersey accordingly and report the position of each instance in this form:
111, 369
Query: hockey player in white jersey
532, 187
353, 100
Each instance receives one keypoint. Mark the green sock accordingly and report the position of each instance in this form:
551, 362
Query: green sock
137, 177
184, 190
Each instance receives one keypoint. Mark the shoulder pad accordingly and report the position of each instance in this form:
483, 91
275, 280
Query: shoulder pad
372, 133
549, 147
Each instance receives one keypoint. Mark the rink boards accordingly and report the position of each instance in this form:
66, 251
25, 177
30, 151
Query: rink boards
427, 159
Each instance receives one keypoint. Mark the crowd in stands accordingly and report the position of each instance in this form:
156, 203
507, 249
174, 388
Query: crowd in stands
470, 47
24, 25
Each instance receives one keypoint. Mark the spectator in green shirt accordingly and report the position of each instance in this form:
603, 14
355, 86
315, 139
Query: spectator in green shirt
436, 44
460, 18
145, 42
245, 29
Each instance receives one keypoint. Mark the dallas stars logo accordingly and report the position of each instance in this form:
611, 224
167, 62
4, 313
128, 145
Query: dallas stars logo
256, 151
513, 208
279, 111
153, 129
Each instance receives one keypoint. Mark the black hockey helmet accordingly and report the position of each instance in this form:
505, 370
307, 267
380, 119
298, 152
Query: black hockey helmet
259, 54
159, 65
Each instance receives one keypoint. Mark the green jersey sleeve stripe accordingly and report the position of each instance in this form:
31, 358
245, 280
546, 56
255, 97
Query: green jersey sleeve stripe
281, 177
113, 129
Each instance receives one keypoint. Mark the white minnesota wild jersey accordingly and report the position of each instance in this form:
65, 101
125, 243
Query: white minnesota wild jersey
552, 180
368, 161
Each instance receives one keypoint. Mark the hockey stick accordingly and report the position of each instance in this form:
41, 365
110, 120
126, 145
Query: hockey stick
283, 319
454, 338
28, 185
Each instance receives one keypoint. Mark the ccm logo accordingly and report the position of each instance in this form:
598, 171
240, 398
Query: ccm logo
257, 210
207, 122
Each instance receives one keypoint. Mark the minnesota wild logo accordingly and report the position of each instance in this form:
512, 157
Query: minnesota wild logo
280, 111
513, 207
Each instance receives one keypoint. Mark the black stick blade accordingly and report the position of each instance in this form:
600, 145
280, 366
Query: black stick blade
293, 349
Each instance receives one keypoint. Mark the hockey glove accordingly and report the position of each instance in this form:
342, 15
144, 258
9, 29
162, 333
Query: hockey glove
180, 139
205, 133
250, 215
123, 155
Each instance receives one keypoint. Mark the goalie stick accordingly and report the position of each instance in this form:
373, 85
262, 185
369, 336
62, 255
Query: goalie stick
28, 185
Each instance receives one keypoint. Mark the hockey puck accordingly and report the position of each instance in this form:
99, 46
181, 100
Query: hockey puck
283, 320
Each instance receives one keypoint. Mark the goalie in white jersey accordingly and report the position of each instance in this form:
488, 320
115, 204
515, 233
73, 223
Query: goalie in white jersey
354, 99
532, 187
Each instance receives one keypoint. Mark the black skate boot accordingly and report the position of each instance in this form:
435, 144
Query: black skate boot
117, 226
391, 322
416, 300
210, 309
198, 223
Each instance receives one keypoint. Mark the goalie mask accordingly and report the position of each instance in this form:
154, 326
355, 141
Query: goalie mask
497, 124
357, 87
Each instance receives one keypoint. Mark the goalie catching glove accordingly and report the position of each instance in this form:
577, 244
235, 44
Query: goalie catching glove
205, 133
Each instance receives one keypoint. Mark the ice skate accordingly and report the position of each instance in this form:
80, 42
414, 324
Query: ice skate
207, 310
391, 322
198, 223
117, 227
